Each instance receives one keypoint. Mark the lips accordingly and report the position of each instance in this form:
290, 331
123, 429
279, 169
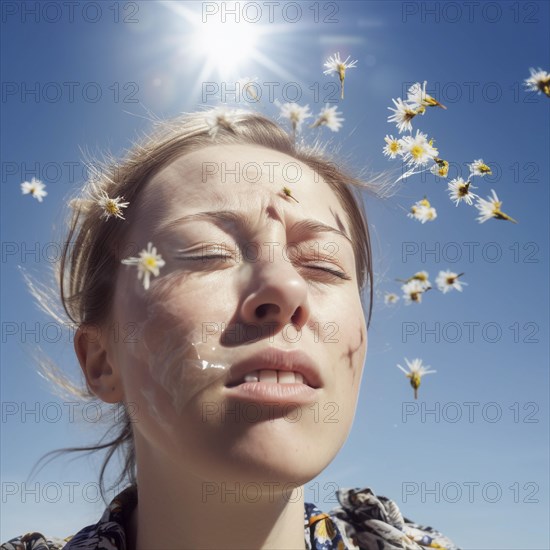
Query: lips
276, 359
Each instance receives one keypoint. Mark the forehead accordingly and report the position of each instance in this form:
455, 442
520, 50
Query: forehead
247, 178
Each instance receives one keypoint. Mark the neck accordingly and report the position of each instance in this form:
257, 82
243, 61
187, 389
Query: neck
176, 512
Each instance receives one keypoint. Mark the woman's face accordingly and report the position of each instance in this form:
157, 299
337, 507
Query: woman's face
178, 339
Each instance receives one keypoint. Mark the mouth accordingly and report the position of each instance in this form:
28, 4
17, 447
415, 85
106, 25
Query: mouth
270, 376
274, 366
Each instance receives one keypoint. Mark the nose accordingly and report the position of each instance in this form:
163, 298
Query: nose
277, 295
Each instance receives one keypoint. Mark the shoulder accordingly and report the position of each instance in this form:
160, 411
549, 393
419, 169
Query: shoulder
35, 541
371, 521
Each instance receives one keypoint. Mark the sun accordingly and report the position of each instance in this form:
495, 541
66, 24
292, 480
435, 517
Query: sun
225, 46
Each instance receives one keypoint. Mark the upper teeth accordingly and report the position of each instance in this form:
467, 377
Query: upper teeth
274, 376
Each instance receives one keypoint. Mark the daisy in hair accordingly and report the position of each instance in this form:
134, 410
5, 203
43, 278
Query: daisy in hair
111, 207
220, 117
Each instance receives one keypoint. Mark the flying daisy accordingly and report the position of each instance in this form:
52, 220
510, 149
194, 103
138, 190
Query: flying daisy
148, 262
422, 211
390, 298
539, 81
413, 290
418, 98
479, 168
421, 276
459, 190
335, 65
111, 207
393, 147
245, 87
402, 115
440, 168
295, 113
417, 150
329, 117
35, 187
447, 280
415, 373
490, 208
220, 117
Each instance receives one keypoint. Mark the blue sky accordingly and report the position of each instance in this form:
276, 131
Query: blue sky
476, 467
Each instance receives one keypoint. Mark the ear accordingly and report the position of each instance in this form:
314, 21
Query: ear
101, 377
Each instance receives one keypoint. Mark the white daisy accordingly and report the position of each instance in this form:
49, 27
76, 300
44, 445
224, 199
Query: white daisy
539, 81
393, 147
422, 211
417, 150
447, 280
148, 262
479, 168
459, 190
418, 98
413, 290
415, 373
440, 168
490, 208
402, 115
246, 87
220, 117
295, 113
329, 117
35, 187
390, 298
423, 277
335, 65
111, 207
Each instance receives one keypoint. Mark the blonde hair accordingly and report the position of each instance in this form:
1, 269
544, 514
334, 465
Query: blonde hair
87, 269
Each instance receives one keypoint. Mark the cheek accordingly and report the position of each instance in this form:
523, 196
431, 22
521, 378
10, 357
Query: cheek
173, 355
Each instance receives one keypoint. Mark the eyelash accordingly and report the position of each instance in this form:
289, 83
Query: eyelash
334, 272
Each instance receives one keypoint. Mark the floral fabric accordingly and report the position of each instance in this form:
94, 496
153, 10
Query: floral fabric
362, 521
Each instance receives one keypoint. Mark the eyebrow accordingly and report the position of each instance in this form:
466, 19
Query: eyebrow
243, 223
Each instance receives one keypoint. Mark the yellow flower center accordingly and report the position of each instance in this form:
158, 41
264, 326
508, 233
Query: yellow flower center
425, 202
150, 262
112, 207
417, 151
394, 146
484, 169
415, 380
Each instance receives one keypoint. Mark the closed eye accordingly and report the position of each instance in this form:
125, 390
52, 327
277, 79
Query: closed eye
204, 257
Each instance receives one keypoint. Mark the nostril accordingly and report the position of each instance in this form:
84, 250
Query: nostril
263, 310
295, 319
